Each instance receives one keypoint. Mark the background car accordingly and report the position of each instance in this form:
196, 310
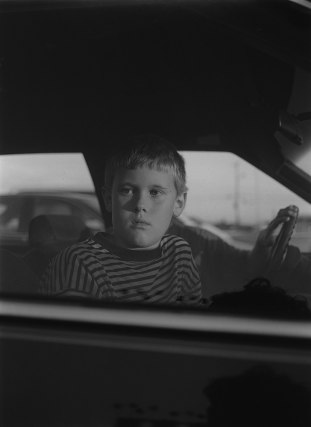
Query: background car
17, 211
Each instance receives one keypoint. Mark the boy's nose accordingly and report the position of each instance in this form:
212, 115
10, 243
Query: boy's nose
139, 209
141, 203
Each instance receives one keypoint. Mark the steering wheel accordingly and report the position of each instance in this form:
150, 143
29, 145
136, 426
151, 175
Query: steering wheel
280, 245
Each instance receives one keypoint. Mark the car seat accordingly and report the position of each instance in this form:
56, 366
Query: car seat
49, 234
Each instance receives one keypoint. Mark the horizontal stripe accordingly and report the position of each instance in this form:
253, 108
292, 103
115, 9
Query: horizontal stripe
89, 268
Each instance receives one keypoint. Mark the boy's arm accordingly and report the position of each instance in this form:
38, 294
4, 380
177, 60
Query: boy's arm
294, 276
224, 268
293, 272
191, 289
221, 267
67, 276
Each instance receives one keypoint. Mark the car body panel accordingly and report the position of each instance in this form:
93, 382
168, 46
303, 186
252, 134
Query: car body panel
98, 366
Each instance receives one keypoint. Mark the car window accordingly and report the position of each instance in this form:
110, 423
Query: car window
47, 202
9, 213
235, 200
229, 203
50, 206
29, 172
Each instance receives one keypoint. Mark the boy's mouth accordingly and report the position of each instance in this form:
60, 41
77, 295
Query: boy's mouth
140, 223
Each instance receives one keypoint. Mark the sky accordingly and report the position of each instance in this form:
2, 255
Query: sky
44, 171
222, 187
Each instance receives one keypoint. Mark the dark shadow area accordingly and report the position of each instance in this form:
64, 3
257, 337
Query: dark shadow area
259, 397
260, 299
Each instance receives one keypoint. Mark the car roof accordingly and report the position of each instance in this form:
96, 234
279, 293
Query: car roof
87, 198
151, 72
80, 76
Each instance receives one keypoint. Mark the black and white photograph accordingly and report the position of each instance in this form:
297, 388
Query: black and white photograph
155, 213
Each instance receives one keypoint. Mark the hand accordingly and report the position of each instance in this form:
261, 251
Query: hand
260, 257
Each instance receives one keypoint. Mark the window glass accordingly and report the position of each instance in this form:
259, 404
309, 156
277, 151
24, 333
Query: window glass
47, 202
9, 213
234, 199
66, 171
230, 204
50, 206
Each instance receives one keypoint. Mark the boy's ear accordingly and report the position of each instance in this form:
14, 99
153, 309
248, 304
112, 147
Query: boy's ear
106, 192
180, 204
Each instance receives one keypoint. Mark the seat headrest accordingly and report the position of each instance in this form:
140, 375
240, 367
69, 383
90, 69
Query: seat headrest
63, 228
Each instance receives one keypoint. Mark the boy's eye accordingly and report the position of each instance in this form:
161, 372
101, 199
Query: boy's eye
155, 193
125, 191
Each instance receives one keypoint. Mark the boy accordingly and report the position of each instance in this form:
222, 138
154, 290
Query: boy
145, 186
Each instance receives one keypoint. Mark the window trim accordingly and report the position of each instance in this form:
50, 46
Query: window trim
152, 318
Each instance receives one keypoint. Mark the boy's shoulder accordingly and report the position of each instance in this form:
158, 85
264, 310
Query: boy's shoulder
171, 240
89, 244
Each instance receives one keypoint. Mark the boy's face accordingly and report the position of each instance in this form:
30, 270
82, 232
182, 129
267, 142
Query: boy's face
142, 202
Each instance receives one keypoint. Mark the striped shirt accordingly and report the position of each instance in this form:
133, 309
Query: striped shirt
97, 268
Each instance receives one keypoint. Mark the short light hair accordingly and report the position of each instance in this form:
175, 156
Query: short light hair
151, 151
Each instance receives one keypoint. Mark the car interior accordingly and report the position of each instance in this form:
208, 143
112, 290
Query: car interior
228, 84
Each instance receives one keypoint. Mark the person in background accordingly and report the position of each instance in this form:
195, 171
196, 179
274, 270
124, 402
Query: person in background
224, 268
